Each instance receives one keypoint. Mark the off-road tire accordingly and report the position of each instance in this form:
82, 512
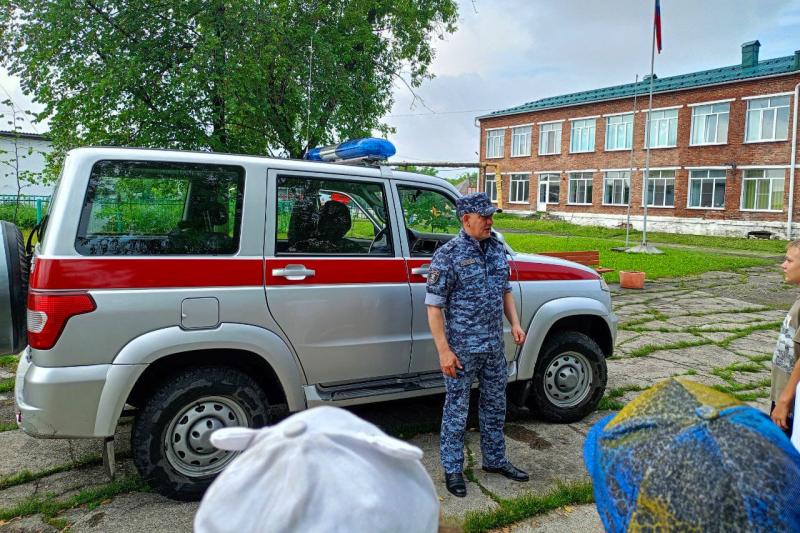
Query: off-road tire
14, 289
576, 354
191, 389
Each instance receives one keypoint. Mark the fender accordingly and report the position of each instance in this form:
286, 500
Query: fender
134, 358
547, 315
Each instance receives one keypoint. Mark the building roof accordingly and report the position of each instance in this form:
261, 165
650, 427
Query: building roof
23, 135
768, 67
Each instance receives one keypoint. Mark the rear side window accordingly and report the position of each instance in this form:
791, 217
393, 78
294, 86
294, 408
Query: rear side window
152, 208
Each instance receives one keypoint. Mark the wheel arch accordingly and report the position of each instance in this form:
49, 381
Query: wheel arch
585, 315
149, 359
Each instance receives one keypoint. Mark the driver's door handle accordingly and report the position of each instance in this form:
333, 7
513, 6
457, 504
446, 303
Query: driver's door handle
293, 272
421, 270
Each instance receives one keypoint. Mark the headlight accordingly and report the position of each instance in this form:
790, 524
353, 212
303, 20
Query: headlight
604, 285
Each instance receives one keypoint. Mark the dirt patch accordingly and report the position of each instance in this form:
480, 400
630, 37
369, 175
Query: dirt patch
527, 436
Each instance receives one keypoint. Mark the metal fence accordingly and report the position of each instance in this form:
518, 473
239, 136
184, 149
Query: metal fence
40, 203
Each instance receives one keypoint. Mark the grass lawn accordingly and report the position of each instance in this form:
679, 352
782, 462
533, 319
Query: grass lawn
673, 263
560, 227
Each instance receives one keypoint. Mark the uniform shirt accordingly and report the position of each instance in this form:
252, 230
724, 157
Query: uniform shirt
785, 355
468, 278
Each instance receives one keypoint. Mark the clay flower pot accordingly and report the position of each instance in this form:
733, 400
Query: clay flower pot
631, 279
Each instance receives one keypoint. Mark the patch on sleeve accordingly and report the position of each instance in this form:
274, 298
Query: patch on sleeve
433, 277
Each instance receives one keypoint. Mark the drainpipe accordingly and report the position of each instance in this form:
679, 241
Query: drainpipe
792, 164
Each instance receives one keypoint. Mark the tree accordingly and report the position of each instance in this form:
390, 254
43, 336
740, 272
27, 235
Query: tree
219, 75
428, 171
12, 159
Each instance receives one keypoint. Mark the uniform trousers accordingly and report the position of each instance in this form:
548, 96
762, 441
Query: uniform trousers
490, 369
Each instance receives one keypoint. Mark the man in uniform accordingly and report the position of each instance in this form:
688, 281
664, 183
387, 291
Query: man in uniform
468, 280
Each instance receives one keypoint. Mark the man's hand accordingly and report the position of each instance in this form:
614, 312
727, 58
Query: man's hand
449, 362
518, 334
780, 415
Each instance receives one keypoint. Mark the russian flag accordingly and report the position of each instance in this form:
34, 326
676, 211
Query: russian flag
657, 23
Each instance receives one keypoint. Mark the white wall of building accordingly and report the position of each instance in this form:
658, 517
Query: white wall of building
35, 162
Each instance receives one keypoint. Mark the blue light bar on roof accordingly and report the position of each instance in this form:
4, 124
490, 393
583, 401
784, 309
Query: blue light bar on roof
368, 147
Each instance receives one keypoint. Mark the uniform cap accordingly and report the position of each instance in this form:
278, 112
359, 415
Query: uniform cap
323, 469
477, 202
686, 457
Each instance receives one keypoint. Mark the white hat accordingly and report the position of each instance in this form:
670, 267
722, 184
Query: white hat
323, 469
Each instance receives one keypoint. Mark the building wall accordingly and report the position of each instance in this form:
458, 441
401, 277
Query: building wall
733, 154
33, 162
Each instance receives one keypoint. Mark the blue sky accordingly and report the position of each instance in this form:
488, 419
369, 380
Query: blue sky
507, 52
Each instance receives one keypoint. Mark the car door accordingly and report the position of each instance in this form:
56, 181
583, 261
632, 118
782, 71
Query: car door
429, 220
335, 280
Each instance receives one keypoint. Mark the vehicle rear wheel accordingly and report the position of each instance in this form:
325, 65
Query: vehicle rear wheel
13, 290
569, 379
171, 435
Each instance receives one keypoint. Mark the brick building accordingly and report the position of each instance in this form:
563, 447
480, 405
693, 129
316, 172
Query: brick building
721, 158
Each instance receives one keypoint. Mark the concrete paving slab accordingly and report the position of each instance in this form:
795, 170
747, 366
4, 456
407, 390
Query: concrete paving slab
134, 513
583, 518
642, 371
22, 452
451, 505
757, 343
28, 524
705, 357
656, 339
548, 452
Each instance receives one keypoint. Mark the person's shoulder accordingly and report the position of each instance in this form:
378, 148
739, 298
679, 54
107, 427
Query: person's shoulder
448, 248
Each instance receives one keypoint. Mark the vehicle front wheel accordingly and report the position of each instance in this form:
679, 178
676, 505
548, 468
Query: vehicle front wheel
569, 379
170, 440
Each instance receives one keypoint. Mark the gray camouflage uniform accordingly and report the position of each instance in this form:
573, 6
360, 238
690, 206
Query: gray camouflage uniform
468, 278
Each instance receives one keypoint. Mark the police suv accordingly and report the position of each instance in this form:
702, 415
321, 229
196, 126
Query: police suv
199, 291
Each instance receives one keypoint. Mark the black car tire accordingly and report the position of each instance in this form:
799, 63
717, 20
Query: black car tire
569, 379
169, 440
13, 290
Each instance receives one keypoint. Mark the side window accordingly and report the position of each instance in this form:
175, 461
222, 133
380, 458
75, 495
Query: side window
155, 208
331, 217
430, 219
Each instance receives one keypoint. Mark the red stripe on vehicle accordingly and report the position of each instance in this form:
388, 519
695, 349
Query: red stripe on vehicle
526, 271
415, 263
124, 273
340, 271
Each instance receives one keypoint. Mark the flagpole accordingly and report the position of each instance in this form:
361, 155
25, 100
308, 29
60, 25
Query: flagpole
630, 171
644, 248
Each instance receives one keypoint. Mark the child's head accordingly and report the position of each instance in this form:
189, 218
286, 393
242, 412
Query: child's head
791, 263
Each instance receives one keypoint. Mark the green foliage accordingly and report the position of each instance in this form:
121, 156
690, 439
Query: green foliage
673, 263
428, 171
561, 227
528, 505
218, 75
429, 212
25, 215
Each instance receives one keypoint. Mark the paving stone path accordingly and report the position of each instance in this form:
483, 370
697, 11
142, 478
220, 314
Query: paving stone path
719, 328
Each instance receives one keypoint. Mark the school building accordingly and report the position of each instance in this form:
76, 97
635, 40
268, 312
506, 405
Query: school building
723, 151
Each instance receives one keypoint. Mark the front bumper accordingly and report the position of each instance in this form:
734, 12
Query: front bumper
58, 402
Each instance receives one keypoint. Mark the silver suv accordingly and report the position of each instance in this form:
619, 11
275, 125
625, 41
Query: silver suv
201, 290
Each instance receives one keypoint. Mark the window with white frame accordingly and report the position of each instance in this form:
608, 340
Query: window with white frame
582, 136
619, 132
762, 189
661, 188
549, 188
580, 188
707, 189
710, 123
550, 138
616, 187
663, 128
494, 143
519, 189
490, 187
767, 119
521, 141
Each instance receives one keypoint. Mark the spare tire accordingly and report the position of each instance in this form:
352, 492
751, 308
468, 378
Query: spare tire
13, 290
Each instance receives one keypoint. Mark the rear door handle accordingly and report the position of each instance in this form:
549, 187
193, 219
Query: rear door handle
293, 272
421, 270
